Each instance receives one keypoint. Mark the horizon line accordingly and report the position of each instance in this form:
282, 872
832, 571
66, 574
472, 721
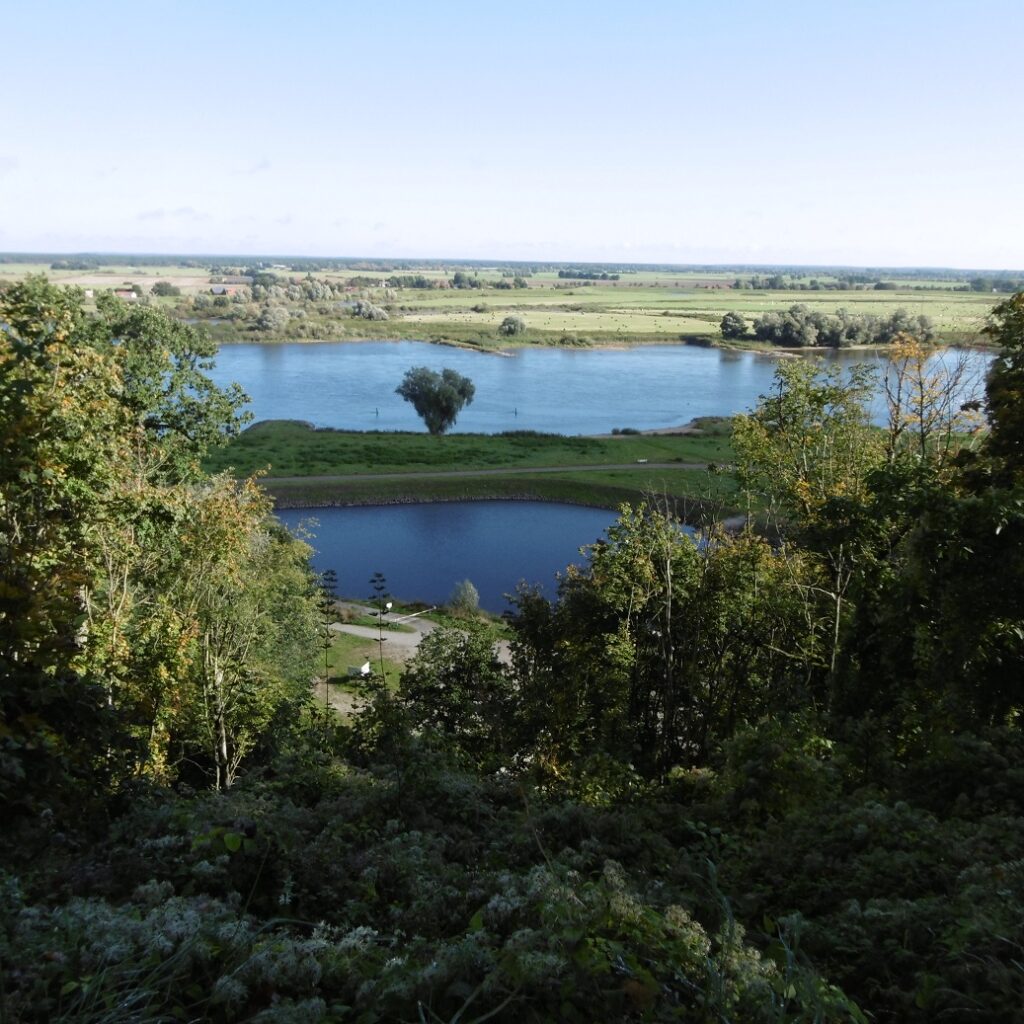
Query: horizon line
490, 262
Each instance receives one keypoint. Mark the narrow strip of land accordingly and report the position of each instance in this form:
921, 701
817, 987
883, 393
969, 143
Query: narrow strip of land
463, 473
308, 468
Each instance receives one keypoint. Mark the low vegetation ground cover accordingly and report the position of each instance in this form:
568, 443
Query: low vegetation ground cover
351, 652
294, 449
305, 466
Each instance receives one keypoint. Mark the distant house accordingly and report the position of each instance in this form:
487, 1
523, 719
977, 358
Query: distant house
126, 293
224, 289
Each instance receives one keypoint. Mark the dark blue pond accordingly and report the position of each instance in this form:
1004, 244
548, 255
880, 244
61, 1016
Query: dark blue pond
424, 550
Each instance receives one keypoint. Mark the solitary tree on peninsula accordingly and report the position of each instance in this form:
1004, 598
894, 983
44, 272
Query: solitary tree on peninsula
437, 397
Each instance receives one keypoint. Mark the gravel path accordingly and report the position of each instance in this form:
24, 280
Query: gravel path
400, 646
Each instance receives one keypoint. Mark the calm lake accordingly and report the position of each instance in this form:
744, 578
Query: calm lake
424, 550
352, 385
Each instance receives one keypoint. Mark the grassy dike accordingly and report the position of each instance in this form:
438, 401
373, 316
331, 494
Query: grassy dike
306, 467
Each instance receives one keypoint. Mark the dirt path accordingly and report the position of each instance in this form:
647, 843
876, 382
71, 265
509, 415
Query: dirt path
397, 646
401, 646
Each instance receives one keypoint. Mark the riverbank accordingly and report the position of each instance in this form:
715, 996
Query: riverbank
507, 347
696, 500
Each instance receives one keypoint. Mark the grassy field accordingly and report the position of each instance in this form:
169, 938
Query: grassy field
347, 651
288, 449
311, 468
643, 306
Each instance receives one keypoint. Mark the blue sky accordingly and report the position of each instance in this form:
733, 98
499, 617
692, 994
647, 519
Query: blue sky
694, 132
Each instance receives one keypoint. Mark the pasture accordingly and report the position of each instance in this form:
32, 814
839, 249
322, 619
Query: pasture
642, 306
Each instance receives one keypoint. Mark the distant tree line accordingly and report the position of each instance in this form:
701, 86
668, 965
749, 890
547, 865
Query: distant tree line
74, 265
413, 281
588, 275
786, 282
802, 327
996, 284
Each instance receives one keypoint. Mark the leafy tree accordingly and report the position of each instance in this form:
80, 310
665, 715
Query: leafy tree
801, 326
464, 597
1005, 390
659, 648
166, 389
254, 621
949, 623
456, 688
164, 288
65, 441
928, 408
273, 318
804, 456
368, 311
327, 596
102, 505
460, 279
733, 325
438, 398
512, 325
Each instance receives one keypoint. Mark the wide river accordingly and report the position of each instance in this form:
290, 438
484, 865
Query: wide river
590, 391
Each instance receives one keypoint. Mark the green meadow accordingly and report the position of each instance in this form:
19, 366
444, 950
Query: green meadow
287, 449
309, 467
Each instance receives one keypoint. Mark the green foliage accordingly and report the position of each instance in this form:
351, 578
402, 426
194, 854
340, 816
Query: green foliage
808, 444
457, 691
465, 598
273, 319
913, 905
165, 388
433, 896
368, 311
1005, 391
802, 326
437, 397
733, 325
660, 647
149, 618
512, 325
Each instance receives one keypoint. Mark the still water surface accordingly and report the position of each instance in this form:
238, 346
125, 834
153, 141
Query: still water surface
352, 385
424, 550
